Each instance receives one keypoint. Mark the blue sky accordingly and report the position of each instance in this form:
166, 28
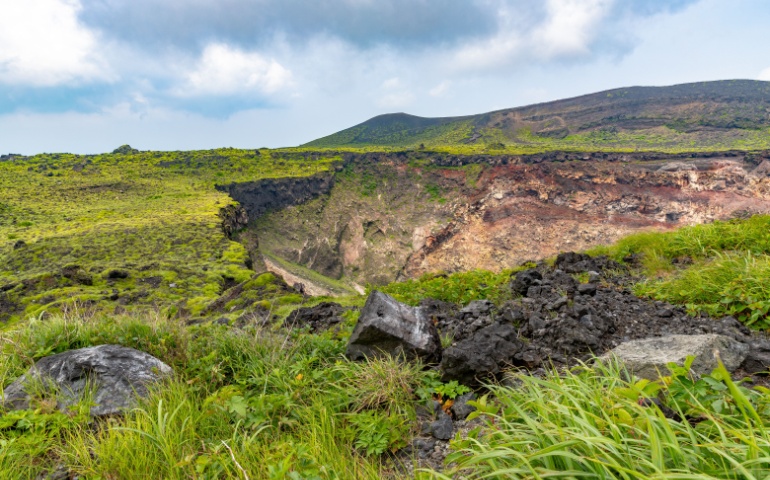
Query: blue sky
86, 76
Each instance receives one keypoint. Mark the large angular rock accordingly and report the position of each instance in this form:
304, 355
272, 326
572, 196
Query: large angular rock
486, 354
117, 375
648, 358
388, 327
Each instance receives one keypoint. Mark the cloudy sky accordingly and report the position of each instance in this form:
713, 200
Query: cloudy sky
86, 76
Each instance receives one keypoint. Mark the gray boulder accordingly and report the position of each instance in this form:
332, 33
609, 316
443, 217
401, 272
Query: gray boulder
388, 327
648, 358
117, 375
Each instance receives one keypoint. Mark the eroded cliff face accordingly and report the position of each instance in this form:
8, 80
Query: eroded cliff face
528, 212
388, 217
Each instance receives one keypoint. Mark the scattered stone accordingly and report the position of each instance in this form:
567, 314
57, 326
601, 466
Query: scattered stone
572, 262
460, 408
117, 274
758, 359
484, 355
318, 318
118, 374
443, 427
648, 358
19, 244
587, 289
525, 279
60, 472
77, 275
423, 446
388, 327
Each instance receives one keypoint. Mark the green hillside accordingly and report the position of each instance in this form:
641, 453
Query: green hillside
125, 230
732, 114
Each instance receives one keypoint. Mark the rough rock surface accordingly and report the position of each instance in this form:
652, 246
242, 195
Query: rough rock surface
443, 427
388, 327
514, 209
560, 321
648, 358
117, 374
758, 359
318, 318
487, 353
460, 408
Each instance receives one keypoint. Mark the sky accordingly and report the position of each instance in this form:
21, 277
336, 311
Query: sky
86, 76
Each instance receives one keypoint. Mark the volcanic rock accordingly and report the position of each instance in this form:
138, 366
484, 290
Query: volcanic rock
117, 375
648, 358
758, 359
460, 408
525, 279
388, 327
318, 318
443, 427
486, 354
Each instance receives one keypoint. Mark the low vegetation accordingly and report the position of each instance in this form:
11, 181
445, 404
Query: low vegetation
243, 404
720, 268
260, 401
461, 287
692, 117
144, 225
593, 424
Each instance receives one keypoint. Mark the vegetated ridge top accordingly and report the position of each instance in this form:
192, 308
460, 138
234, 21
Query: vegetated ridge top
719, 114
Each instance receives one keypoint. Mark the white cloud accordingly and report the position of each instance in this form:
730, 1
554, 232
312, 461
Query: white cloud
224, 70
764, 75
440, 89
570, 26
568, 29
43, 44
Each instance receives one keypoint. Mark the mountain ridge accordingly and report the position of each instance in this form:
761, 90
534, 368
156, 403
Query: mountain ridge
718, 114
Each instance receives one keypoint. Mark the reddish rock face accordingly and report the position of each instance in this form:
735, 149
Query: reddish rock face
527, 212
415, 219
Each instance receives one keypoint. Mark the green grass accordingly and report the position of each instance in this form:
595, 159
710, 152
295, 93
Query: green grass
256, 403
728, 274
590, 424
153, 214
462, 287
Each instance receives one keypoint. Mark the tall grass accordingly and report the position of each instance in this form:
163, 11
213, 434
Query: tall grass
256, 403
724, 267
657, 250
584, 425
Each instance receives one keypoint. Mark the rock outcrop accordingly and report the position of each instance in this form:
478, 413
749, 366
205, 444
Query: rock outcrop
388, 217
388, 327
116, 375
317, 318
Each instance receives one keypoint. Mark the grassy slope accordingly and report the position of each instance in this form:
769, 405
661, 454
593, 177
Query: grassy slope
272, 404
152, 214
721, 268
692, 117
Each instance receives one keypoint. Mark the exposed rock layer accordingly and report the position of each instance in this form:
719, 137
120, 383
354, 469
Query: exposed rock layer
399, 215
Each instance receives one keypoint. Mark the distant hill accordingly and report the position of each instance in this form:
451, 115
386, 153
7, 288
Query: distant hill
721, 114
